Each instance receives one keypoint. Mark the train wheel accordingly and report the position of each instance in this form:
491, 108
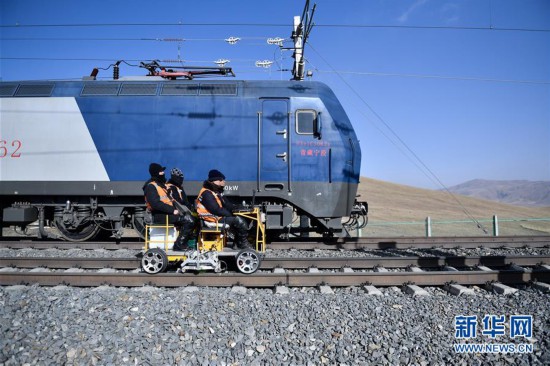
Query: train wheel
82, 233
154, 261
248, 261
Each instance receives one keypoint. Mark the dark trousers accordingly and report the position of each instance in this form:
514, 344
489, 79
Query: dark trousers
240, 227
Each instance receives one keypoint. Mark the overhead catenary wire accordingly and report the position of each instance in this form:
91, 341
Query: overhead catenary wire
420, 76
111, 60
175, 39
490, 27
361, 73
155, 39
364, 73
389, 26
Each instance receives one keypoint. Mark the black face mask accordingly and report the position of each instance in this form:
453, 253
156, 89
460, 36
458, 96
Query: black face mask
177, 180
160, 178
213, 187
218, 188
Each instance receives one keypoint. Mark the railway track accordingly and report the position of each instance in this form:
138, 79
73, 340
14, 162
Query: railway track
314, 243
293, 263
291, 272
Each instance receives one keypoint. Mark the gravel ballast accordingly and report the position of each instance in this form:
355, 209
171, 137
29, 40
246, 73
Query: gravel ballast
224, 326
221, 326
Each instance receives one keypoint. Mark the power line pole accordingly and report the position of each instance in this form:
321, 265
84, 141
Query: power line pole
298, 70
300, 33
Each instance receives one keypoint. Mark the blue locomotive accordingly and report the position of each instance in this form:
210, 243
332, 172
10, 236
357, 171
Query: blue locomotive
74, 154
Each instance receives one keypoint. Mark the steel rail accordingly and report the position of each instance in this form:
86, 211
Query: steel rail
418, 242
259, 280
65, 263
293, 263
402, 262
57, 244
316, 243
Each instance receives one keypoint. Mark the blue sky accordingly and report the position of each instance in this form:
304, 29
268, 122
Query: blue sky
438, 90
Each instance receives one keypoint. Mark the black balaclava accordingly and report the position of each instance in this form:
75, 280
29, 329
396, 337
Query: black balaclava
176, 180
155, 170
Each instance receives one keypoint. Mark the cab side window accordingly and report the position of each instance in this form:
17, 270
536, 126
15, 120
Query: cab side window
306, 122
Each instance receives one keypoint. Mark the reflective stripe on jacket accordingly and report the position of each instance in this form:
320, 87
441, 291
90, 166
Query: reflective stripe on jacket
163, 195
202, 211
178, 189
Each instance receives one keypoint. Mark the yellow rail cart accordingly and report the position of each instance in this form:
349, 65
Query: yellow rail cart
211, 253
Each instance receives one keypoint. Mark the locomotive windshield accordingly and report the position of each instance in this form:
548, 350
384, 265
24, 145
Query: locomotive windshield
306, 120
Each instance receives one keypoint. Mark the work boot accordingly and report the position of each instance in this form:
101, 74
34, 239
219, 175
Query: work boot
180, 244
242, 242
241, 233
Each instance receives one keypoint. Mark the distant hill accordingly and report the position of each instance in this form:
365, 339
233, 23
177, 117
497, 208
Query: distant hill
513, 192
400, 210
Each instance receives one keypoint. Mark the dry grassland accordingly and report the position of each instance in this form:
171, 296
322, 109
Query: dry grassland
399, 210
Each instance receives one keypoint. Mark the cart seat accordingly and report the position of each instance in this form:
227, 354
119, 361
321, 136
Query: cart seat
214, 225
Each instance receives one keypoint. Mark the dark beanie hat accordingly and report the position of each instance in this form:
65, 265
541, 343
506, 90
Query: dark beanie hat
215, 175
155, 169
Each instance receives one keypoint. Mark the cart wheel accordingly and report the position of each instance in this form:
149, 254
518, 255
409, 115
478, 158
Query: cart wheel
248, 261
154, 261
